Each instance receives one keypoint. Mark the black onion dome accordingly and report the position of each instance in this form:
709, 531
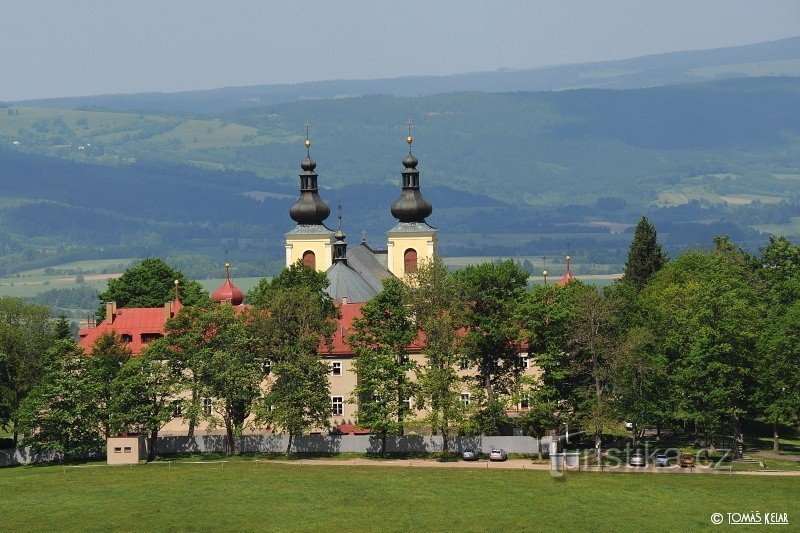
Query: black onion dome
309, 209
411, 206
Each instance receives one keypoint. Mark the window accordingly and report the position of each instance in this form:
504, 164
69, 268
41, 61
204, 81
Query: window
125, 338
117, 449
309, 259
147, 337
267, 367
175, 369
405, 405
410, 260
464, 364
207, 406
526, 362
127, 449
336, 368
177, 408
337, 405
525, 400
465, 398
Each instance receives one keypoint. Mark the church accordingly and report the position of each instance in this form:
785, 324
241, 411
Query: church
355, 274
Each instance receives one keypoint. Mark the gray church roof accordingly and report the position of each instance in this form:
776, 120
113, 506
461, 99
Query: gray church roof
360, 277
344, 282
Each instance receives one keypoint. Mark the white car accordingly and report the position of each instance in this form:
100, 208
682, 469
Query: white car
498, 454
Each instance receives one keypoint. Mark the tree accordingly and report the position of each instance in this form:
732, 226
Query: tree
380, 340
142, 394
778, 364
492, 292
25, 337
639, 377
438, 311
60, 413
706, 312
645, 257
108, 355
296, 275
778, 369
150, 284
592, 341
62, 329
217, 354
547, 314
540, 418
231, 370
295, 324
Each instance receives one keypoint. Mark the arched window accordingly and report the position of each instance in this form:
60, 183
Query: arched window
309, 259
410, 260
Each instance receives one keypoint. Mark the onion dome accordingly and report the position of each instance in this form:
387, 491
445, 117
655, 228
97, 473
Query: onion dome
309, 209
411, 206
228, 292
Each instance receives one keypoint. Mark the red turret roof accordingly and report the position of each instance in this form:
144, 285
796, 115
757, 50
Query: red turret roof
228, 292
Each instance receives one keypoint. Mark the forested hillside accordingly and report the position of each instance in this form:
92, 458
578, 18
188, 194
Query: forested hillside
526, 174
773, 58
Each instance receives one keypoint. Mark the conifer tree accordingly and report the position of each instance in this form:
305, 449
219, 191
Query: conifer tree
645, 256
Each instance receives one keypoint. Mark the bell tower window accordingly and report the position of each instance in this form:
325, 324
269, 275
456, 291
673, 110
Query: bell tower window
410, 261
309, 259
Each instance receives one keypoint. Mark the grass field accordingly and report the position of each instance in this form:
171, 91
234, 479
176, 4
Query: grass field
253, 496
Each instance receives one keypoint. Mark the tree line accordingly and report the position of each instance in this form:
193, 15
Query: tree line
702, 345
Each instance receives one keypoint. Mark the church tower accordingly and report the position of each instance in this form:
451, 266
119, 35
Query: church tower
310, 241
412, 241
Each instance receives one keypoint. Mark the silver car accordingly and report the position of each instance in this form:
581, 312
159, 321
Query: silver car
498, 454
470, 455
637, 459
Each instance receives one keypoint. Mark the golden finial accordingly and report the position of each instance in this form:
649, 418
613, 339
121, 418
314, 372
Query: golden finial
177, 282
410, 139
544, 274
308, 141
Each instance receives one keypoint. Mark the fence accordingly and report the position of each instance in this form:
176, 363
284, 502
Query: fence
323, 444
310, 444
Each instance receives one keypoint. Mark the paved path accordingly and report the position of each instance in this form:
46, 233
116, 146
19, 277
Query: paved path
524, 464
779, 456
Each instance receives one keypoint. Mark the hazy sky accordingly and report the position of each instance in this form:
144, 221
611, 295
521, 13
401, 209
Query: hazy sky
81, 47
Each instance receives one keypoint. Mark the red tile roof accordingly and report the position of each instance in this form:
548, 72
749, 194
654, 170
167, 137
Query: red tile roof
133, 321
349, 312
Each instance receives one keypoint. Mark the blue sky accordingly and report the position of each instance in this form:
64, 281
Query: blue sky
82, 47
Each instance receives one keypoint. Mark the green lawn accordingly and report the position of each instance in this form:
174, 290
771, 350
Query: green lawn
246, 495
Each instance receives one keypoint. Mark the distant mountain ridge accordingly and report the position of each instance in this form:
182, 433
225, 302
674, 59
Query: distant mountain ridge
773, 58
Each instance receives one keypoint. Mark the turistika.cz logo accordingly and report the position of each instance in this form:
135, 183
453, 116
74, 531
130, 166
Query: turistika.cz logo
751, 518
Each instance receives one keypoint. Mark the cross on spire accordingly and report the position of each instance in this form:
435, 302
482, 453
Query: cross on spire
340, 216
410, 139
308, 141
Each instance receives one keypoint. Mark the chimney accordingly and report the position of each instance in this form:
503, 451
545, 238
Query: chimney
167, 310
344, 300
111, 310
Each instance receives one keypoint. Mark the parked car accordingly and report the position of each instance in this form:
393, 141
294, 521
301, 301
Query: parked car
498, 454
666, 458
637, 459
686, 460
471, 455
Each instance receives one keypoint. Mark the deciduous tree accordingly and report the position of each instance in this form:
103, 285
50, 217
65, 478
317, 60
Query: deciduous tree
380, 340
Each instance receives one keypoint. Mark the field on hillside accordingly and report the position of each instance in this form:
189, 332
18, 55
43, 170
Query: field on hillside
250, 496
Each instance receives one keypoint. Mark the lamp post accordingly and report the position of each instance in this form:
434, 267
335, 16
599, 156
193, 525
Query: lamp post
544, 274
